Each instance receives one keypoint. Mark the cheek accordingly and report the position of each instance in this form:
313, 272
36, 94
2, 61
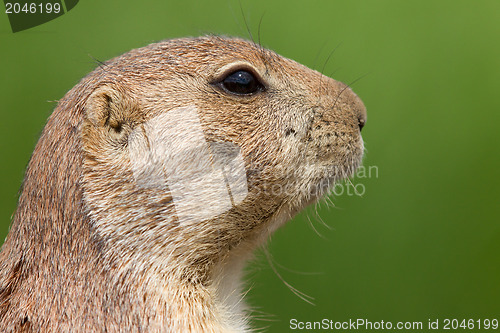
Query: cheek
291, 117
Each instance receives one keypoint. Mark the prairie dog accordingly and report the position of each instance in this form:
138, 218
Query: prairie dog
156, 177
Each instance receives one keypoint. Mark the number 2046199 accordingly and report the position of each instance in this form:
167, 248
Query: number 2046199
32, 8
470, 324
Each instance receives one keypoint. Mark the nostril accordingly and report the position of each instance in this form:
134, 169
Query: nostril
361, 123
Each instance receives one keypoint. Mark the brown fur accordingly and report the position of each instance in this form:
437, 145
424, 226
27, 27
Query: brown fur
89, 250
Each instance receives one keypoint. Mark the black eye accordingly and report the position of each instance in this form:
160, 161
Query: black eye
241, 83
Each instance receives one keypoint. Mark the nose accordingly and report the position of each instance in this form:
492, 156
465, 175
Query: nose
359, 109
362, 117
349, 103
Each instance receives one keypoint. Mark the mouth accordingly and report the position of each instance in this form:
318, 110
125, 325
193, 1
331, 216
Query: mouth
340, 166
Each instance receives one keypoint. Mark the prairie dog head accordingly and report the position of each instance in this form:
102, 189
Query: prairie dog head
198, 148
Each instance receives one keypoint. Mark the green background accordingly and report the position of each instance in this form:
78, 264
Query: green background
423, 242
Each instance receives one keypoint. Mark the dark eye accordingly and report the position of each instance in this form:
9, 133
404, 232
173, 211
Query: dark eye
241, 83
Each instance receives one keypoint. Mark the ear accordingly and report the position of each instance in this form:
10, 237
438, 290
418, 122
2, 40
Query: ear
111, 107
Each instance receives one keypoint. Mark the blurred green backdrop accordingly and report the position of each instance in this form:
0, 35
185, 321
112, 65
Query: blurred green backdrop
423, 242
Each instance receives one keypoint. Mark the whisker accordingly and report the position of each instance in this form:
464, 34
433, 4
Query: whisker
258, 30
323, 69
317, 55
246, 24
329, 202
100, 63
320, 219
298, 293
347, 86
356, 191
314, 228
